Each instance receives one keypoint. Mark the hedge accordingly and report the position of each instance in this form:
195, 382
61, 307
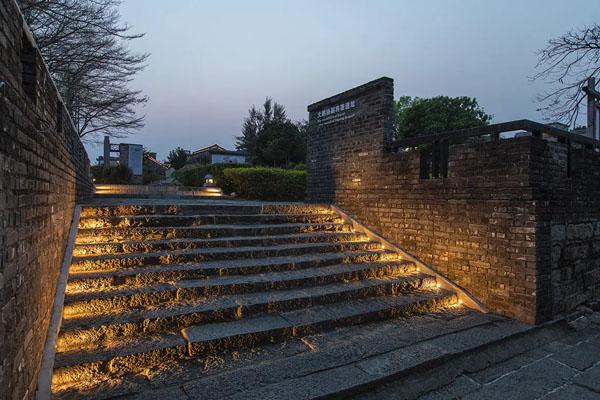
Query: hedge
119, 174
194, 175
267, 183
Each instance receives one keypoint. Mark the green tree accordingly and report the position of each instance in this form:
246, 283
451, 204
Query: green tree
279, 144
177, 158
270, 138
418, 117
116, 174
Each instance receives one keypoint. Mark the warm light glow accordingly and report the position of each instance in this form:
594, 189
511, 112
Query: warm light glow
460, 301
438, 285
157, 190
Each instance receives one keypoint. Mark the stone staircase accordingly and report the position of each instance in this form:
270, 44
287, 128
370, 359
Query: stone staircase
152, 284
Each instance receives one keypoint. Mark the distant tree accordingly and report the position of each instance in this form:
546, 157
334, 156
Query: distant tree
566, 63
85, 46
117, 174
250, 128
177, 158
273, 121
280, 144
418, 117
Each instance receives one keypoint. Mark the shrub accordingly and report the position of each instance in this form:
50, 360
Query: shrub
193, 175
267, 183
119, 174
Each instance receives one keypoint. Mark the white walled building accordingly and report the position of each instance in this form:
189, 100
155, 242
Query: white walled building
217, 154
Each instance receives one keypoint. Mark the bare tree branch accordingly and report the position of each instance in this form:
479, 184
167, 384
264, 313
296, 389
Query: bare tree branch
565, 64
85, 47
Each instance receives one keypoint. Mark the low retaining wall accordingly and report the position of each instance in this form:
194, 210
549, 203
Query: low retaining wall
44, 171
486, 226
149, 191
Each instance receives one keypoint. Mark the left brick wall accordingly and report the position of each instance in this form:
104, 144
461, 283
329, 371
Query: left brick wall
44, 172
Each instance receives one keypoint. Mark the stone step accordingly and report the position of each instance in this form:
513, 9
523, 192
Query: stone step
129, 297
91, 330
200, 219
119, 261
201, 340
81, 281
115, 235
239, 241
195, 209
365, 362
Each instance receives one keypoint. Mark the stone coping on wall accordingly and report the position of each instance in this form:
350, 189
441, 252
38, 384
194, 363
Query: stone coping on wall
113, 190
352, 93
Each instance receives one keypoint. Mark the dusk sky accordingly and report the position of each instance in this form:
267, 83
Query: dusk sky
211, 60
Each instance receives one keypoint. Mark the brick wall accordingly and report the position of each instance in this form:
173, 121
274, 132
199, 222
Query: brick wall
487, 226
43, 172
568, 221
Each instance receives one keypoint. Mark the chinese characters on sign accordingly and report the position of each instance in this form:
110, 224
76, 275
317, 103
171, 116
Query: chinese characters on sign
339, 112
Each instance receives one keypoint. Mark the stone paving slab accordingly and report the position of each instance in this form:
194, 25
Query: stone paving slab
264, 324
565, 368
590, 378
581, 356
530, 382
460, 387
572, 392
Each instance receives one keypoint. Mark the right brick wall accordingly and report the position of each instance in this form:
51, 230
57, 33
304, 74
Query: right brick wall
487, 226
568, 225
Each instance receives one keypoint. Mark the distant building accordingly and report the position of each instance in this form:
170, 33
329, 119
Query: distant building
154, 170
559, 125
217, 154
130, 155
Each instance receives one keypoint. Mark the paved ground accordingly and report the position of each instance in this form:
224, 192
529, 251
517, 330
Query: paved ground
566, 368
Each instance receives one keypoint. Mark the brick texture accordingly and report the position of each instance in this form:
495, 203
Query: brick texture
44, 171
487, 226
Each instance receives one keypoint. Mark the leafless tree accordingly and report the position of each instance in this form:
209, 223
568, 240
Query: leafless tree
85, 47
566, 63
